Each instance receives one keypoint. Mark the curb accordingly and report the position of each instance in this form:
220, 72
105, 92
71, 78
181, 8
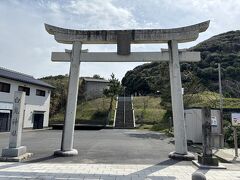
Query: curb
222, 159
29, 130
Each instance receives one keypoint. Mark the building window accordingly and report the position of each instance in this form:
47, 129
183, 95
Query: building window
4, 87
24, 89
40, 92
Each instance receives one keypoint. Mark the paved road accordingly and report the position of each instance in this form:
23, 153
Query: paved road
105, 154
171, 171
99, 146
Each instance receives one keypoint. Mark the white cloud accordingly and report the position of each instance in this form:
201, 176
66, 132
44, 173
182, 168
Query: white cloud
101, 14
54, 7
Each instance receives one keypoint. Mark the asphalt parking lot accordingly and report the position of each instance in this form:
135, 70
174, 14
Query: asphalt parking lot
112, 146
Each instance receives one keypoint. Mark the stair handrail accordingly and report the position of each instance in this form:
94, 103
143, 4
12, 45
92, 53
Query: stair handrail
115, 112
133, 112
124, 110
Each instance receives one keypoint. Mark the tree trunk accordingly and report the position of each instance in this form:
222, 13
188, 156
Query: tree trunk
110, 111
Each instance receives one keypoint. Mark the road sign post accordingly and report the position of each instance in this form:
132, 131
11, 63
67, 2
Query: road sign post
235, 124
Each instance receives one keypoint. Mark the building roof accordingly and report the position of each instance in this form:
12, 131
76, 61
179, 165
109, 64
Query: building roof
17, 76
88, 79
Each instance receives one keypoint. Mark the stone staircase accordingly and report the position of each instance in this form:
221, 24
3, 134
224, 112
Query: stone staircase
124, 113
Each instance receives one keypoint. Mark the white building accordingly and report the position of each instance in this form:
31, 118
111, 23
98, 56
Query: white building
37, 103
194, 120
93, 88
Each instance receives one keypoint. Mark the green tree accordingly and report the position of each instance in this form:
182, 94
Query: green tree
58, 94
96, 76
112, 91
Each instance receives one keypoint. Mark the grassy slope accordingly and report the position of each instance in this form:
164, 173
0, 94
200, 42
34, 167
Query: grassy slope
97, 110
93, 110
150, 117
210, 99
152, 113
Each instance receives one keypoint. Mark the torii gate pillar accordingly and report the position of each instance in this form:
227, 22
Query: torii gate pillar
177, 104
70, 115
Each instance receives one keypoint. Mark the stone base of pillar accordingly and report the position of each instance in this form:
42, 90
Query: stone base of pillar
208, 160
72, 152
201, 166
184, 157
21, 158
15, 154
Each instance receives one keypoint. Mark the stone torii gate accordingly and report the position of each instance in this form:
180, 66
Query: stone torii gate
123, 39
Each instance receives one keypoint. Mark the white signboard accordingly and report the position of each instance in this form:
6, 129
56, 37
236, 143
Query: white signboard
182, 91
214, 121
235, 119
7, 106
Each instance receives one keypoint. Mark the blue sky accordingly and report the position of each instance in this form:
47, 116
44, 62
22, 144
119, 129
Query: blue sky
25, 46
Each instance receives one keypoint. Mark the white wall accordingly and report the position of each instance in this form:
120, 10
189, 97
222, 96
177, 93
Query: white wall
94, 89
32, 102
194, 119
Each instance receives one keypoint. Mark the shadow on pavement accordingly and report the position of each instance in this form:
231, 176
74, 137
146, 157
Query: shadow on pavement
41, 159
80, 126
143, 173
155, 168
148, 135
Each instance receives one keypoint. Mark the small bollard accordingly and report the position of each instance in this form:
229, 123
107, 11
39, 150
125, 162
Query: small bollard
198, 176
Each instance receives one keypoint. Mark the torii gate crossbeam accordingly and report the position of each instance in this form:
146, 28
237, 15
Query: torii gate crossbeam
123, 38
184, 56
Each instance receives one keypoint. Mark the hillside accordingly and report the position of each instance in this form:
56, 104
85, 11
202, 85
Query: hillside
225, 49
91, 112
153, 78
147, 111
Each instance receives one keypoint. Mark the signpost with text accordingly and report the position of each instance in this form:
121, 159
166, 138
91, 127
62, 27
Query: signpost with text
16, 152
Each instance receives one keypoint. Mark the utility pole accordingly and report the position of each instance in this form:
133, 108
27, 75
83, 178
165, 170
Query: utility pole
124, 110
220, 102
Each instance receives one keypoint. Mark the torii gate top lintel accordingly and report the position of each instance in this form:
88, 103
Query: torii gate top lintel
137, 36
